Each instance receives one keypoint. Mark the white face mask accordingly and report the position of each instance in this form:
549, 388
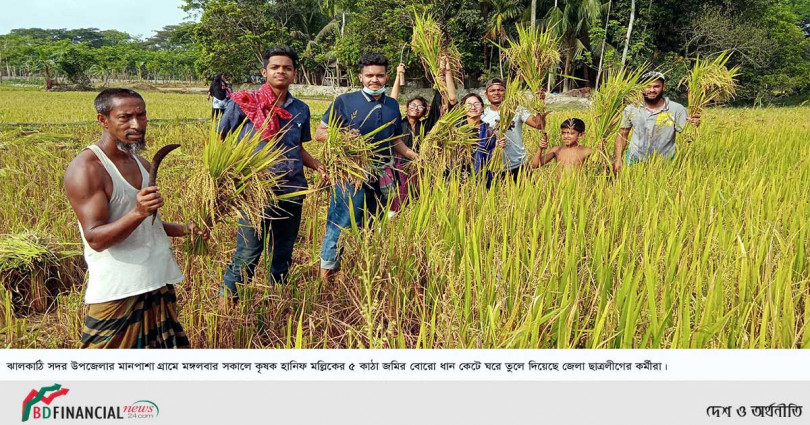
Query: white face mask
370, 92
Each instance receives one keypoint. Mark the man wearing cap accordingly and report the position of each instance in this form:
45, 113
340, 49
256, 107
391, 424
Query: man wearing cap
654, 125
514, 154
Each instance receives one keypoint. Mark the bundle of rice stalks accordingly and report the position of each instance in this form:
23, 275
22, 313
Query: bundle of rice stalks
234, 177
429, 43
531, 57
709, 81
349, 156
450, 144
29, 261
620, 88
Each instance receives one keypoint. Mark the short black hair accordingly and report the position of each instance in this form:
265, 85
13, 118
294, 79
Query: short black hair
104, 100
575, 124
280, 51
469, 95
372, 58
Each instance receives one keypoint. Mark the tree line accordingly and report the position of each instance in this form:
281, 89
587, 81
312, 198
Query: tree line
769, 39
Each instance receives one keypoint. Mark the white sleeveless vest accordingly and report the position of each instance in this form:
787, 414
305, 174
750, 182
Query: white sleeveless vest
140, 263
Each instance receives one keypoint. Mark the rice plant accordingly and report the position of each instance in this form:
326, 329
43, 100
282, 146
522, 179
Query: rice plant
432, 47
708, 82
697, 252
531, 56
621, 87
235, 178
348, 155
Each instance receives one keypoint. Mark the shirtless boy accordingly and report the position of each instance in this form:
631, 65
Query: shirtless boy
569, 156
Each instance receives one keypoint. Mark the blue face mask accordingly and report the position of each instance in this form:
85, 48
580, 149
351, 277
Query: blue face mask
370, 92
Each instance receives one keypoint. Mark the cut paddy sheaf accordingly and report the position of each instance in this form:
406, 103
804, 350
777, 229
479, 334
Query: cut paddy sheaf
34, 269
350, 158
621, 88
531, 56
449, 145
433, 46
233, 179
708, 82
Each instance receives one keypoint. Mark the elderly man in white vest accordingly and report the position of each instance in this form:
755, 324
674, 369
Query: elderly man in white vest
131, 268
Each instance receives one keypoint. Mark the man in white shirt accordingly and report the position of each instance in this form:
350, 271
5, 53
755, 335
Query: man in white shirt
514, 154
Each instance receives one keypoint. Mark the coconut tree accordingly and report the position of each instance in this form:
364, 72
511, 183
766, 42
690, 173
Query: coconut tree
500, 13
321, 49
337, 10
572, 19
45, 62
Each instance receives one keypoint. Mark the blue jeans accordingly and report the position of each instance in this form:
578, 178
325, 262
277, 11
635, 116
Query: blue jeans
345, 202
278, 233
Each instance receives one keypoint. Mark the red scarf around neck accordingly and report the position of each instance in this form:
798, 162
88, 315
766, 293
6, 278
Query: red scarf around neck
260, 105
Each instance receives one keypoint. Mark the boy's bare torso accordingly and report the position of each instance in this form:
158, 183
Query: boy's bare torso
571, 158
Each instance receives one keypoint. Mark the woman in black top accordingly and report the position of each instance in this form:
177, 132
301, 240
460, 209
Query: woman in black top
220, 90
419, 120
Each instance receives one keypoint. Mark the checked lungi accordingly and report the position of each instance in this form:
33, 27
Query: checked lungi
147, 320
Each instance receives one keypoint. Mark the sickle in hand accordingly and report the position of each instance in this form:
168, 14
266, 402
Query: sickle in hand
156, 160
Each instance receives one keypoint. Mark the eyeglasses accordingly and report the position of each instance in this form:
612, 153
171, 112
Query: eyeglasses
475, 105
416, 107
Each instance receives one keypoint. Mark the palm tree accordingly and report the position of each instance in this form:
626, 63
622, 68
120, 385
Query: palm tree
320, 48
572, 19
337, 10
44, 61
501, 13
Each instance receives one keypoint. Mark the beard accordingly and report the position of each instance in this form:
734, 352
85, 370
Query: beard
655, 99
131, 148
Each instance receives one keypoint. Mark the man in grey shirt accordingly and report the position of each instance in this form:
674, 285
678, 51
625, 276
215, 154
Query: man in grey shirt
514, 154
654, 125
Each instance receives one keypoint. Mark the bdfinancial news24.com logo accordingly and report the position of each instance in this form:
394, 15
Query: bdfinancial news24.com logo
32, 407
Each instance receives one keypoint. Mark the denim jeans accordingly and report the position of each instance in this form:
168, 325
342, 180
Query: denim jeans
279, 231
363, 202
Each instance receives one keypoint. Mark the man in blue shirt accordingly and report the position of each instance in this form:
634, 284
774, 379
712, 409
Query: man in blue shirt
282, 220
363, 112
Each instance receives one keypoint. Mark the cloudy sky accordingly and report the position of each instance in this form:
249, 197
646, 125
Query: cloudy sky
139, 17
